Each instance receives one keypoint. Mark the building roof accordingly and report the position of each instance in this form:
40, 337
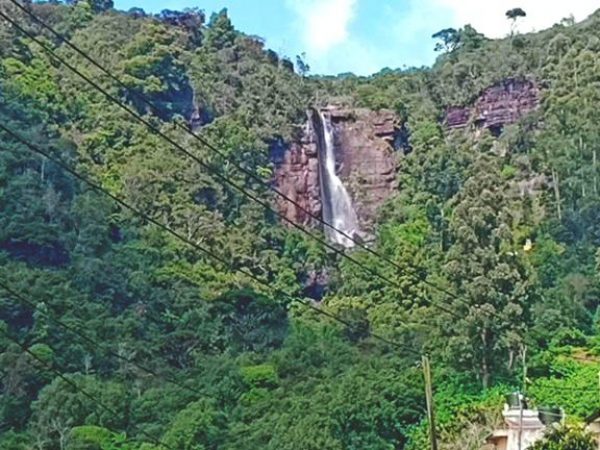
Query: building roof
497, 435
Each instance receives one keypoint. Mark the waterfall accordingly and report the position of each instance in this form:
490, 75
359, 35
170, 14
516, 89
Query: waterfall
337, 204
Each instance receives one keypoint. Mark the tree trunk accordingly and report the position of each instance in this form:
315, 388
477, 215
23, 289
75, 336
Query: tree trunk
595, 167
485, 373
485, 368
555, 183
511, 359
581, 147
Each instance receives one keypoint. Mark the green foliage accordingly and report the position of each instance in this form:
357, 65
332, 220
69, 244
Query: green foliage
507, 223
515, 13
449, 38
263, 375
88, 437
197, 427
509, 172
567, 375
566, 437
464, 417
495, 279
14, 441
151, 69
221, 33
59, 407
36, 82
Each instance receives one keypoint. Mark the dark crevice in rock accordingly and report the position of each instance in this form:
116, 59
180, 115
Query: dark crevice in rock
402, 139
316, 284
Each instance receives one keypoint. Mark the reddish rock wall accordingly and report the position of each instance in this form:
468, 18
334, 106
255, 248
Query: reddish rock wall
297, 176
365, 161
457, 117
365, 158
501, 104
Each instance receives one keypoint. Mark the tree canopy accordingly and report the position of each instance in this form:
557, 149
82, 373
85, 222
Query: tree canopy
125, 335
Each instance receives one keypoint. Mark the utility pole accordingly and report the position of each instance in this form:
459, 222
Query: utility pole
599, 381
429, 400
522, 396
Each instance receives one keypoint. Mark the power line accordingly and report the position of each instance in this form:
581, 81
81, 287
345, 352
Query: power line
221, 177
96, 345
249, 173
214, 149
229, 182
532, 384
198, 247
151, 372
61, 374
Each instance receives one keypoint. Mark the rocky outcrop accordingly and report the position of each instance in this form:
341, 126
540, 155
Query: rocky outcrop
501, 104
297, 177
365, 161
457, 117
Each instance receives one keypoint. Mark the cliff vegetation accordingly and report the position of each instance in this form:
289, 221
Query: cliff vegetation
118, 332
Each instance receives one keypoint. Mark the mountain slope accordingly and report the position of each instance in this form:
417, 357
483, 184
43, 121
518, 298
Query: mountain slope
489, 243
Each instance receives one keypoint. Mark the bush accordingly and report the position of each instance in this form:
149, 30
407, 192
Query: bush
566, 437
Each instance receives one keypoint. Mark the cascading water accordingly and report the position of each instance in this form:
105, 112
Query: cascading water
337, 204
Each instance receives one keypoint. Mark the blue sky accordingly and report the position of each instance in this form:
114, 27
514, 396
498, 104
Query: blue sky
364, 36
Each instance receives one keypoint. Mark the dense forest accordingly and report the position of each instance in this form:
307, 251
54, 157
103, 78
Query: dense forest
148, 302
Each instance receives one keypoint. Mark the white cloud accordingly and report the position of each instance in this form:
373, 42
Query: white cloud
487, 16
395, 33
323, 23
351, 56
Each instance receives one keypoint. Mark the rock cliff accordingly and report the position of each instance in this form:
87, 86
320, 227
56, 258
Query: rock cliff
365, 161
499, 105
297, 176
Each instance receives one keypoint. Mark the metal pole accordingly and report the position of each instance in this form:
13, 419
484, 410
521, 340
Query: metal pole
429, 400
522, 396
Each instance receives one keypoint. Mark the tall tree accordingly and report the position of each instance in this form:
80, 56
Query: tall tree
487, 273
448, 39
514, 14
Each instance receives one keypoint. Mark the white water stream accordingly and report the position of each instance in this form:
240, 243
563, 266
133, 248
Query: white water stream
337, 204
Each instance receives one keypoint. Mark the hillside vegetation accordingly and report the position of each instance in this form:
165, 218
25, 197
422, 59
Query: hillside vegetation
118, 332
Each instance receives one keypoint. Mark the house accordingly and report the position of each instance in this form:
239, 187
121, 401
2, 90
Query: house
528, 427
593, 426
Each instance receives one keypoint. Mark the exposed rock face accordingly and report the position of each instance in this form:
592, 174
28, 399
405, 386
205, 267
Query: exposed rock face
365, 161
297, 177
499, 105
457, 117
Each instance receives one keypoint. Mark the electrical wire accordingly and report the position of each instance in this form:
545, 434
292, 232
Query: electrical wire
199, 247
94, 345
214, 149
229, 182
220, 153
61, 374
